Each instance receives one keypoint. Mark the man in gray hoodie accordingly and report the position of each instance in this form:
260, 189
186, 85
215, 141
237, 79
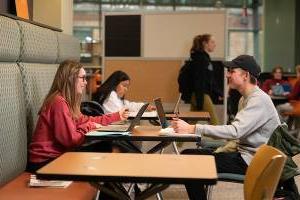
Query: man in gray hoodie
252, 126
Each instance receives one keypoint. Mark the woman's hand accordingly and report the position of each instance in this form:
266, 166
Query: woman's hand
270, 92
151, 108
124, 113
97, 125
286, 93
181, 126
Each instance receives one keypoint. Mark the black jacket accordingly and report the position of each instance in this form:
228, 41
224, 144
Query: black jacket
202, 76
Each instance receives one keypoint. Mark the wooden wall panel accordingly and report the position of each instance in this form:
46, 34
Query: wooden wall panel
149, 78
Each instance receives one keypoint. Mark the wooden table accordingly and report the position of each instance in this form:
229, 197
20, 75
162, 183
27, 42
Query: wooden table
195, 116
278, 99
147, 133
134, 168
199, 116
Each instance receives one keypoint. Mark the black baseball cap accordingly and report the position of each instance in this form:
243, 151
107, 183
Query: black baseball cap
244, 62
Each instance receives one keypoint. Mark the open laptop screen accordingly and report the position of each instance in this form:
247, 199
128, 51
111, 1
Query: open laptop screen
176, 107
161, 113
127, 128
137, 118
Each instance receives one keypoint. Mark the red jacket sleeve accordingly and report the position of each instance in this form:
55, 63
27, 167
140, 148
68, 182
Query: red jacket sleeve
266, 85
66, 131
103, 119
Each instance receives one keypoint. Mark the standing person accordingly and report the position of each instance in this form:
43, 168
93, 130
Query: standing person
61, 127
111, 94
202, 75
252, 126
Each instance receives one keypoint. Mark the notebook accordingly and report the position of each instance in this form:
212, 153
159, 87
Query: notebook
127, 127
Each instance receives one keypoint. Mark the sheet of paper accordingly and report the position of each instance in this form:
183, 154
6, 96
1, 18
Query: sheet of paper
170, 132
34, 182
103, 133
145, 114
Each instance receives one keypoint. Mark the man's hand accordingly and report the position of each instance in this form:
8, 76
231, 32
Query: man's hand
181, 126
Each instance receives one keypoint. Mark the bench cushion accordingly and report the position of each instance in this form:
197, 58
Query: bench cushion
18, 189
13, 139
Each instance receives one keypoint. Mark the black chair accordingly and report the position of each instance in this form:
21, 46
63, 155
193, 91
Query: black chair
91, 108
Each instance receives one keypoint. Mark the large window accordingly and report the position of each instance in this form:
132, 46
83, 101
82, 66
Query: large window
244, 30
87, 29
244, 25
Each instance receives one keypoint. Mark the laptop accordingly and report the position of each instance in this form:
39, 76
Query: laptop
280, 89
166, 129
127, 127
176, 106
161, 113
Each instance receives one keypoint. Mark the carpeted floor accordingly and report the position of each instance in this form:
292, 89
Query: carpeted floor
222, 191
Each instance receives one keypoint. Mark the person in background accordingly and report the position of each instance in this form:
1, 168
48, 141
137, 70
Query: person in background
61, 127
202, 75
277, 73
111, 94
293, 98
252, 126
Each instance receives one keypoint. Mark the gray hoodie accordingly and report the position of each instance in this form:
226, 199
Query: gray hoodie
253, 125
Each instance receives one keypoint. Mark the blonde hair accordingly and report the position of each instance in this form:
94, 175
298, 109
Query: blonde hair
64, 84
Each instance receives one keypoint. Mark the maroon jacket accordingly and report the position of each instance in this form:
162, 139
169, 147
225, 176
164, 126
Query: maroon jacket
57, 132
267, 85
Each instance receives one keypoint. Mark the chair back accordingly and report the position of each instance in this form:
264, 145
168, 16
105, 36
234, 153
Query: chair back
91, 108
263, 173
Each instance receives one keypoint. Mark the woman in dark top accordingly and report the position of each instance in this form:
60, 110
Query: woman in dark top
202, 75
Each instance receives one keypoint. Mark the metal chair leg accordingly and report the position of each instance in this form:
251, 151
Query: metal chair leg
159, 196
209, 192
175, 148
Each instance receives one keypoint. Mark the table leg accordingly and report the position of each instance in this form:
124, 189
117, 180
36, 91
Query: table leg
114, 190
158, 147
153, 189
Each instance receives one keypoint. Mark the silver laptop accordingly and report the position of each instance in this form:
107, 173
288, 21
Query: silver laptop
127, 127
176, 106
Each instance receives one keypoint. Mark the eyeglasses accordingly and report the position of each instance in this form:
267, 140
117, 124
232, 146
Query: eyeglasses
125, 85
83, 78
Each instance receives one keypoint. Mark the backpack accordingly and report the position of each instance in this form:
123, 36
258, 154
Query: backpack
185, 81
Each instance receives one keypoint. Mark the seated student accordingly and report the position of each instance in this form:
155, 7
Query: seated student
252, 126
276, 85
293, 96
60, 126
111, 94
